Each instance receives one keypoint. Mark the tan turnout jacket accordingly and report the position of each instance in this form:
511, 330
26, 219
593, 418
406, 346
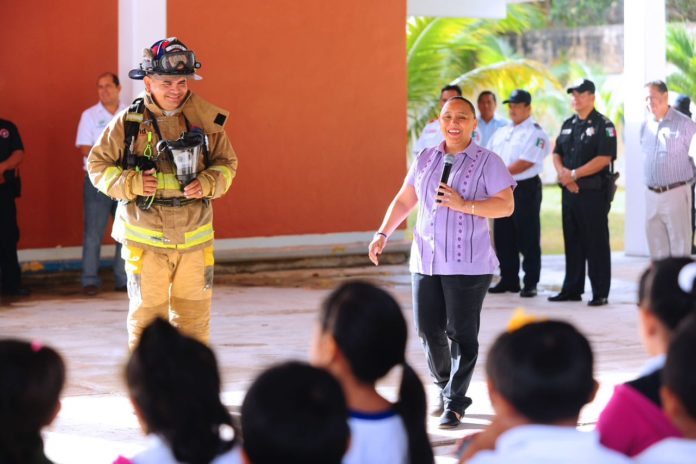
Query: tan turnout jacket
184, 228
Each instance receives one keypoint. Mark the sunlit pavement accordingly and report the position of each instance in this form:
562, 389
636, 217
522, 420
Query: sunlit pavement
256, 326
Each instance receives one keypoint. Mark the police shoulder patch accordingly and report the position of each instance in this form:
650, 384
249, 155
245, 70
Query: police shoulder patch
611, 132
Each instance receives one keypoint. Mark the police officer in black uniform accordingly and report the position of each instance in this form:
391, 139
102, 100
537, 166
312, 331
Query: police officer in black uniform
584, 151
11, 155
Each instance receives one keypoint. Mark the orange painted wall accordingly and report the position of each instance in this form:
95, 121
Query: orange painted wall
317, 95
51, 55
316, 90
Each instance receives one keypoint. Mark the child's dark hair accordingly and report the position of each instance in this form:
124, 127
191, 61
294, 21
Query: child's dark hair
294, 413
544, 369
679, 373
660, 292
371, 332
31, 379
174, 381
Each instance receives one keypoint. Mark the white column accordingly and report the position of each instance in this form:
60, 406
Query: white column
644, 60
458, 8
140, 24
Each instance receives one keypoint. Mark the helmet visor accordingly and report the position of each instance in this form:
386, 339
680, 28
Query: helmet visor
183, 62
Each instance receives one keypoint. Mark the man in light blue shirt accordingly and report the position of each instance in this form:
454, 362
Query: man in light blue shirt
488, 121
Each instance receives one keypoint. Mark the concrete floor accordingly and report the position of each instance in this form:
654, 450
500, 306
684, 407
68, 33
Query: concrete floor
263, 318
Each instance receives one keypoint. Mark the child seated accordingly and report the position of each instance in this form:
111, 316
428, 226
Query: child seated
361, 335
294, 413
678, 394
31, 379
633, 419
174, 385
539, 378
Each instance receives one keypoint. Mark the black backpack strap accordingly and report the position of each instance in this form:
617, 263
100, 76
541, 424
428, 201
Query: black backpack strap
131, 126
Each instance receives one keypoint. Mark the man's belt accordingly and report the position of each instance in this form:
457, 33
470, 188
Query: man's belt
174, 202
669, 187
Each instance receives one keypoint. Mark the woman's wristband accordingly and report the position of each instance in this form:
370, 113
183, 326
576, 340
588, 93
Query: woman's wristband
382, 234
473, 208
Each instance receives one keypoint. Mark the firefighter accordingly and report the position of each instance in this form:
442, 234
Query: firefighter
164, 218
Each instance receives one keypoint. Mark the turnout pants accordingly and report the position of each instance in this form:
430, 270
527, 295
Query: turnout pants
521, 233
447, 313
586, 240
174, 285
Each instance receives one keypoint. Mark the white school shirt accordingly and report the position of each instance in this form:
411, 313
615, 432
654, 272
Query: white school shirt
669, 451
525, 141
157, 452
377, 439
547, 444
92, 122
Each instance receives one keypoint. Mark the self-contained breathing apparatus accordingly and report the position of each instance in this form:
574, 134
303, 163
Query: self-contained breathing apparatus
166, 57
183, 153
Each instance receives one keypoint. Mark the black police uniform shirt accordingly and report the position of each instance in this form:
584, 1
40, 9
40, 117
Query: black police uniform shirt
582, 140
9, 143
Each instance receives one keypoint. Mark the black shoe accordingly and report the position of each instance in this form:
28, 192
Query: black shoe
528, 292
21, 291
597, 302
503, 287
449, 419
565, 297
90, 290
440, 408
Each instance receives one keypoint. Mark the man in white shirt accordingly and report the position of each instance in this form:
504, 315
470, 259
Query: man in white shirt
523, 145
667, 140
97, 206
488, 121
432, 135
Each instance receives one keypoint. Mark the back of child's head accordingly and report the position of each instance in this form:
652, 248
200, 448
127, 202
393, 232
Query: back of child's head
371, 332
368, 327
679, 374
667, 290
294, 413
174, 381
31, 379
544, 370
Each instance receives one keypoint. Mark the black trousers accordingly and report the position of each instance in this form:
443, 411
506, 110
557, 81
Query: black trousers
521, 233
586, 240
447, 313
10, 273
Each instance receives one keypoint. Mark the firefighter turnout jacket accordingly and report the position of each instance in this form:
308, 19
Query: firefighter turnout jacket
184, 226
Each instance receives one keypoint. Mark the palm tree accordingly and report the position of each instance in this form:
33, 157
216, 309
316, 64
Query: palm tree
471, 53
680, 54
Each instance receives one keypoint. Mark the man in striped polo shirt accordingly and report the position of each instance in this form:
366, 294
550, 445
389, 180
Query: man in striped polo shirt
667, 140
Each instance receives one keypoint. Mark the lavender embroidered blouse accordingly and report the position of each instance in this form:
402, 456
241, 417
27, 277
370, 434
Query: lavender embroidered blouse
447, 242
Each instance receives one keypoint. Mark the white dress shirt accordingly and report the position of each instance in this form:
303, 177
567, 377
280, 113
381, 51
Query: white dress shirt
525, 141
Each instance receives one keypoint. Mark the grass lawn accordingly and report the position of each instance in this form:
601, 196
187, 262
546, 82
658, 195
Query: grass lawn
552, 227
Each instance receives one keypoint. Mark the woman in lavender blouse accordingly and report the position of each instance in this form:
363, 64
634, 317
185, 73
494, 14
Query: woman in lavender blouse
452, 260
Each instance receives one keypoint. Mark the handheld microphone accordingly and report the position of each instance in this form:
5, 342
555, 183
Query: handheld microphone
449, 161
